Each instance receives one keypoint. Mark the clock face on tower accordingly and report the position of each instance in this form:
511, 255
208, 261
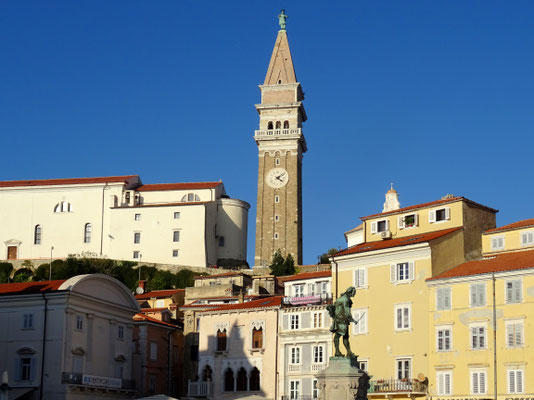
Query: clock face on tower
277, 178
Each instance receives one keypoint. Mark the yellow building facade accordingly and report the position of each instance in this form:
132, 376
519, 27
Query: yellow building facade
401, 249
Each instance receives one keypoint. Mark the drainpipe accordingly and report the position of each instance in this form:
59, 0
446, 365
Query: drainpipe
102, 220
337, 275
44, 346
276, 357
494, 340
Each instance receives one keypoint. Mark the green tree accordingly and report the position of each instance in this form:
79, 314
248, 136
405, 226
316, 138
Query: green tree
280, 266
323, 258
5, 271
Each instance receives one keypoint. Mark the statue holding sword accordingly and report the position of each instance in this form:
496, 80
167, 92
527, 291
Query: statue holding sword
341, 319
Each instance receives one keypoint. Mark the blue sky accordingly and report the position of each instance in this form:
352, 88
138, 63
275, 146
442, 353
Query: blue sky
437, 97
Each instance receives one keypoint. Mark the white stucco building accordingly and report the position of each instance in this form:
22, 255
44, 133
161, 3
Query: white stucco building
69, 338
189, 224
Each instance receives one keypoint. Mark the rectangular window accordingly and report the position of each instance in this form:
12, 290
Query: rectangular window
478, 381
294, 390
403, 317
382, 226
443, 339
478, 337
444, 381
294, 355
360, 280
315, 390
299, 290
79, 322
25, 369
441, 214
514, 333
478, 294
318, 319
318, 354
153, 351
513, 291
137, 217
121, 332
175, 253
135, 254
443, 298
277, 217
364, 365
160, 303
516, 381
175, 236
294, 321
527, 238
152, 380
408, 221
277, 199
361, 317
177, 215
404, 367
28, 321
137, 237
402, 272
497, 243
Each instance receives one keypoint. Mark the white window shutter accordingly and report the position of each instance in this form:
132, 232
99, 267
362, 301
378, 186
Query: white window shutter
416, 219
356, 277
401, 222
412, 270
519, 381
439, 305
393, 273
482, 295
447, 384
361, 277
511, 381
519, 334
482, 382
363, 323
447, 213
373, 227
517, 292
387, 224
311, 286
510, 335
441, 384
473, 296
432, 216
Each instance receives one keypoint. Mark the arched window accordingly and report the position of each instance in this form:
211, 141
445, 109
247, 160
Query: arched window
207, 374
221, 340
286, 124
278, 124
87, 233
62, 207
221, 241
254, 382
270, 125
190, 197
242, 380
257, 338
37, 234
229, 380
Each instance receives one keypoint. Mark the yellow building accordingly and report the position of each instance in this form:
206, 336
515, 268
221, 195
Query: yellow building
481, 320
401, 248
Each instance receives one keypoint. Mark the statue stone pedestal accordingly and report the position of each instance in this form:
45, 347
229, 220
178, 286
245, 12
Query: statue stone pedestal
342, 380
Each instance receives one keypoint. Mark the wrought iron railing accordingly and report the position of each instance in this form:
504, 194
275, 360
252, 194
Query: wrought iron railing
397, 386
323, 298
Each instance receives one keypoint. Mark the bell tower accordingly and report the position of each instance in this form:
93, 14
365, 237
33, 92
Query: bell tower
281, 145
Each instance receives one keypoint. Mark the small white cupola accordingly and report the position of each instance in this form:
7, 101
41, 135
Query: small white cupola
392, 200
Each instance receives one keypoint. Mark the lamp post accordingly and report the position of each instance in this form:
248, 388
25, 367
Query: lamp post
4, 387
50, 269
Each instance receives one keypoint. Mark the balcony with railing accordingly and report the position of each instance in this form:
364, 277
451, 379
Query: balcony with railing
299, 397
278, 132
400, 387
97, 382
314, 299
200, 389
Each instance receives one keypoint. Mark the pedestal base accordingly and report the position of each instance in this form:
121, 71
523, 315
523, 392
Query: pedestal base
342, 380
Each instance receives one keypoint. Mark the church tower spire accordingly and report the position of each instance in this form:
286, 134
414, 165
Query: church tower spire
281, 145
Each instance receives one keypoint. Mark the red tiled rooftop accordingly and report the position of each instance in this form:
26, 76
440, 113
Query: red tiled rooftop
158, 293
515, 225
223, 275
403, 241
30, 287
430, 204
143, 317
178, 186
499, 263
154, 310
268, 302
67, 181
306, 275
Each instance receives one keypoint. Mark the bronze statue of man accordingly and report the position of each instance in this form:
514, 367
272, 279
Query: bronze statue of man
341, 319
282, 20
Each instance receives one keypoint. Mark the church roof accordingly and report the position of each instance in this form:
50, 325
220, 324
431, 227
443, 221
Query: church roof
306, 275
67, 181
178, 186
269, 302
281, 70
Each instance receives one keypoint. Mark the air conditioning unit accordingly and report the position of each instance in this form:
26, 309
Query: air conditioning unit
385, 235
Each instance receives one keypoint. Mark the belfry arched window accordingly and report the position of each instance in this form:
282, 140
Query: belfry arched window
62, 207
190, 197
286, 124
278, 125
270, 125
87, 230
257, 338
37, 234
221, 340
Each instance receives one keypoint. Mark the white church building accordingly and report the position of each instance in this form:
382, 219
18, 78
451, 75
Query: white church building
118, 217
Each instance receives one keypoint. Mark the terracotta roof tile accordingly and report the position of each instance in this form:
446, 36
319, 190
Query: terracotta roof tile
515, 225
430, 204
154, 310
142, 317
402, 241
275, 301
30, 287
223, 275
498, 263
178, 186
158, 293
306, 275
67, 181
